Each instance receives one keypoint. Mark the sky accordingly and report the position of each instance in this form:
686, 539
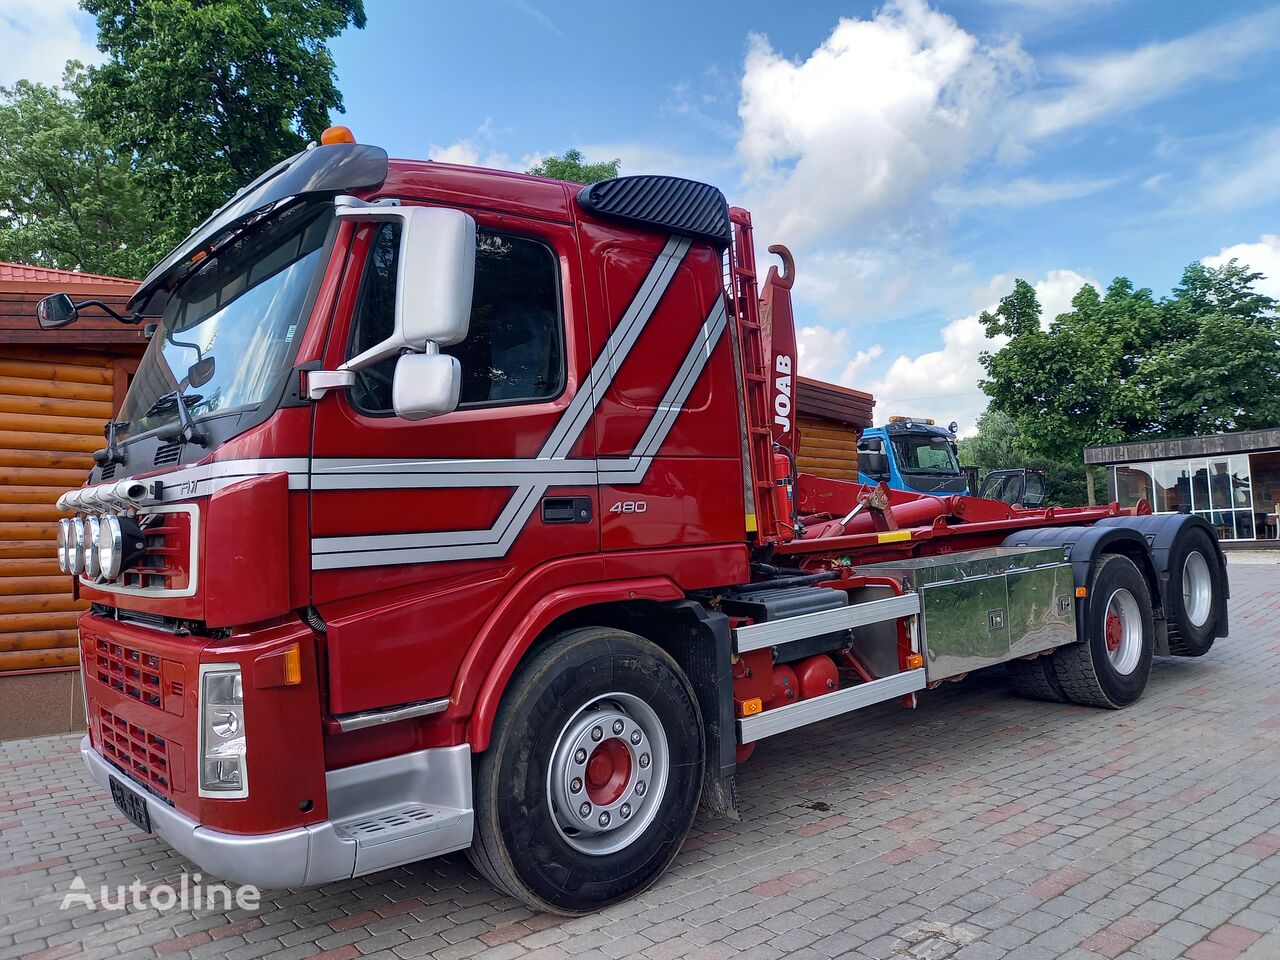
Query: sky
915, 157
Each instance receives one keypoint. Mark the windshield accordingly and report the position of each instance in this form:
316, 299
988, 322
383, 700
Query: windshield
925, 454
228, 329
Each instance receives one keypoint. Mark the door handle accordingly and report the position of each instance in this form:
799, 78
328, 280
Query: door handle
566, 509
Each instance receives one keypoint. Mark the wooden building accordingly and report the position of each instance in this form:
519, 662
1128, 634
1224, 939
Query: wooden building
830, 419
57, 389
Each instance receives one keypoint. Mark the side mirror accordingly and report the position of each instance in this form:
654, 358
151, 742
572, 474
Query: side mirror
435, 276
873, 464
56, 311
426, 385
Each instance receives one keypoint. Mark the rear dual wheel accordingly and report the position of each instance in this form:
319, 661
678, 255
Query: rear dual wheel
1111, 666
593, 773
1194, 608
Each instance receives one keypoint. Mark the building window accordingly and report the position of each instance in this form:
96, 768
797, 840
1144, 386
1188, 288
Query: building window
1219, 489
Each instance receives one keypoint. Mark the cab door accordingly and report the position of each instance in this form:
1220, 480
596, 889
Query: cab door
420, 529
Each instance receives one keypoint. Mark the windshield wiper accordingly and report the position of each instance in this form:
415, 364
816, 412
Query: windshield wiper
185, 429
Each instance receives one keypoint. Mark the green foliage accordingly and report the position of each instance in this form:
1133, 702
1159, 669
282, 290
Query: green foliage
1123, 365
999, 445
572, 167
67, 199
206, 95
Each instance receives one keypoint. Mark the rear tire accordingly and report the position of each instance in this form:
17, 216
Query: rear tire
1035, 680
1195, 594
592, 776
1111, 666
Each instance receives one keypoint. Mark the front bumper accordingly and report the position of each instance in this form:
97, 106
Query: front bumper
335, 849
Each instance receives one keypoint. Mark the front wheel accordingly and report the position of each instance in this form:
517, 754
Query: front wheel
593, 773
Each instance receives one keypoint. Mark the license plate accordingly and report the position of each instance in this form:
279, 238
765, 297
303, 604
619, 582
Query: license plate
131, 805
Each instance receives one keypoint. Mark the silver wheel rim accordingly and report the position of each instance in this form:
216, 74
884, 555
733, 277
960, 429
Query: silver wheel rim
1122, 628
1197, 588
613, 726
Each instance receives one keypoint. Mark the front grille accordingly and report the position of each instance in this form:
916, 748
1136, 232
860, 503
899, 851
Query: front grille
130, 671
142, 755
167, 554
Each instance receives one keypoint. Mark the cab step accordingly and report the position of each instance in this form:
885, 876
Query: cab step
401, 834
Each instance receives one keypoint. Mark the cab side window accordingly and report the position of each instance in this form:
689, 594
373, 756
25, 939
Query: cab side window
514, 350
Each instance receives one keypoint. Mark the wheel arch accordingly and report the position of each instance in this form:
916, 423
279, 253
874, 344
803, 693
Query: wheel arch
696, 637
1161, 532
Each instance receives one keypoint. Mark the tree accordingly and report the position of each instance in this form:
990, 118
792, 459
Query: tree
67, 199
207, 95
998, 445
1123, 365
572, 167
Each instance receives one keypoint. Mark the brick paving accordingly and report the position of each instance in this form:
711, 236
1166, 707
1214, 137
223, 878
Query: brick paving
982, 827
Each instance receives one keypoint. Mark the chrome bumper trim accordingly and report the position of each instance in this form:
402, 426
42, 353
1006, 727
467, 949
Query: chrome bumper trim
322, 852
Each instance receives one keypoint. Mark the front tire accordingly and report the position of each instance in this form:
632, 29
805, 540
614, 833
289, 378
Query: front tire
1111, 666
592, 776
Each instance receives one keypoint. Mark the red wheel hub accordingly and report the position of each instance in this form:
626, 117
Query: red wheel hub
608, 771
1113, 632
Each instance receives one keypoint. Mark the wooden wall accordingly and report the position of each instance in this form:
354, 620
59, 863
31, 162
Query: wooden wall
830, 418
828, 448
53, 403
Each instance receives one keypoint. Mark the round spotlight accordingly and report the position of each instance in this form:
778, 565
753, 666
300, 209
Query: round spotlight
64, 544
92, 526
110, 547
75, 554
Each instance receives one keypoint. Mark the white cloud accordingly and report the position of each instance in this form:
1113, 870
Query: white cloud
474, 151
1115, 83
1243, 177
825, 355
943, 383
640, 158
37, 39
881, 113
1262, 257
1022, 192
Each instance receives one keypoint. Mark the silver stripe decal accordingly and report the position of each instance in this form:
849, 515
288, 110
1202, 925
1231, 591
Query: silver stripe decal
531, 478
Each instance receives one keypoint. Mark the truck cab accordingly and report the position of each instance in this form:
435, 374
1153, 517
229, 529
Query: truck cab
911, 454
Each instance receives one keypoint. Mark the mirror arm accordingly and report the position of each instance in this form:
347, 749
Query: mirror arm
132, 319
112, 453
320, 382
185, 428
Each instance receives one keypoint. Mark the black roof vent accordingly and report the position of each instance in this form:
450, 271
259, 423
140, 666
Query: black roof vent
674, 204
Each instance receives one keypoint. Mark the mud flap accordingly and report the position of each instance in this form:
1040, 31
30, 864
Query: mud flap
700, 641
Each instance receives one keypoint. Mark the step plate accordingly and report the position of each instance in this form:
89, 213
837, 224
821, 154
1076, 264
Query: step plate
751, 729
405, 833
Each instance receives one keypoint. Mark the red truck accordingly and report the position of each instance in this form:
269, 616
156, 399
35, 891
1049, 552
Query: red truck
455, 509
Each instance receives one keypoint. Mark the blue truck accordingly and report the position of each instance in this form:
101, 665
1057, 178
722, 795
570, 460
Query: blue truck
912, 454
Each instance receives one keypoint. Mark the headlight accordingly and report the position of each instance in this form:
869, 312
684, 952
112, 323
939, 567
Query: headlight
92, 528
121, 544
75, 555
64, 544
222, 733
